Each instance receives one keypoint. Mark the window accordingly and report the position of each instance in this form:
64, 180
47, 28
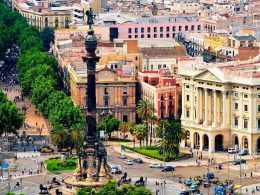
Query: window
125, 90
161, 29
149, 29
66, 22
245, 123
246, 108
167, 28
192, 27
258, 95
125, 118
236, 94
155, 35
159, 66
180, 28
142, 36
199, 27
245, 96
136, 30
186, 28
161, 35
136, 36
162, 106
125, 101
187, 86
142, 29
56, 22
258, 123
46, 22
129, 30
173, 28
105, 91
188, 112
188, 98
236, 121
151, 67
154, 29
173, 35
167, 35
129, 36
236, 106
106, 101
148, 36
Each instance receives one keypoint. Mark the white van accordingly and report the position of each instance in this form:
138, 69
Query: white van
232, 150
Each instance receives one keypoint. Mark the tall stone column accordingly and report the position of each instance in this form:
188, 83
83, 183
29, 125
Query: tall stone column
192, 103
183, 102
198, 106
241, 107
250, 111
215, 108
224, 102
206, 107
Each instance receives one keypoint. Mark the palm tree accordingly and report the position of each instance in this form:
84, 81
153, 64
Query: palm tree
140, 131
152, 121
171, 136
59, 136
145, 111
77, 138
131, 130
124, 127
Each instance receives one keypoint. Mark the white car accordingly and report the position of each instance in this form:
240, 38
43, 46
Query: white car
232, 150
129, 162
116, 169
155, 165
123, 156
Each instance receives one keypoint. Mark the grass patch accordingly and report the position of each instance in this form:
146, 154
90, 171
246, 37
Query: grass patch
56, 165
153, 152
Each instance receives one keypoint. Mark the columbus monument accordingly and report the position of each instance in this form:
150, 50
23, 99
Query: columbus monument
92, 164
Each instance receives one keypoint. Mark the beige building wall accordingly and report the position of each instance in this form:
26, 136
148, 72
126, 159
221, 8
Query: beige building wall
217, 114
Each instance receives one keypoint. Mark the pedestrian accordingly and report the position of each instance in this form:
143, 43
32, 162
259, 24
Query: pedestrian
245, 175
251, 175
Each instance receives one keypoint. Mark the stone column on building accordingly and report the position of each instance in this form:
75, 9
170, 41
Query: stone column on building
192, 103
182, 102
198, 106
254, 108
224, 102
211, 143
215, 108
206, 107
250, 111
241, 107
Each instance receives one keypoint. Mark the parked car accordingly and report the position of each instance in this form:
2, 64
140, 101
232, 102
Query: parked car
210, 175
198, 178
194, 188
46, 149
238, 162
168, 168
122, 156
206, 184
155, 165
129, 162
243, 152
116, 169
232, 150
138, 160
185, 192
215, 180
187, 182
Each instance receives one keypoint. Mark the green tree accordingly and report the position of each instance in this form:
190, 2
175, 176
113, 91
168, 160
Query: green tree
32, 43
171, 135
28, 78
110, 124
124, 127
85, 191
59, 136
131, 130
10, 118
145, 111
47, 36
140, 131
41, 89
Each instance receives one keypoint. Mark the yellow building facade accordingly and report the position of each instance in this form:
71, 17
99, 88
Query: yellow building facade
220, 111
42, 17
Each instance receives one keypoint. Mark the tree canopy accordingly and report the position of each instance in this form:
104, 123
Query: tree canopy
10, 117
110, 124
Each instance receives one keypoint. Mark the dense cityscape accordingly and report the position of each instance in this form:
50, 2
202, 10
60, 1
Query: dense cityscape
126, 97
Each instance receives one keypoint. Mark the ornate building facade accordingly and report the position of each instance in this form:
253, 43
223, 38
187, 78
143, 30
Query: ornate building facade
221, 106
